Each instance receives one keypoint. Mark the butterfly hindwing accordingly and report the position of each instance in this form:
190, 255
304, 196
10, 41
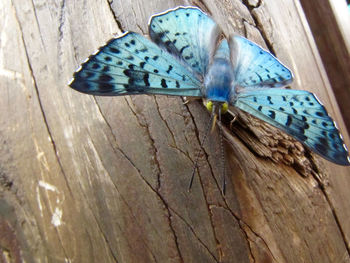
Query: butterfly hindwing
300, 114
187, 33
256, 67
132, 64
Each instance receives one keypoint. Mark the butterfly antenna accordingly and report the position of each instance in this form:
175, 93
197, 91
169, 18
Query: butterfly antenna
223, 163
199, 151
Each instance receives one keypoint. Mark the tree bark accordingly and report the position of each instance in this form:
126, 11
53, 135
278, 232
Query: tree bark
105, 179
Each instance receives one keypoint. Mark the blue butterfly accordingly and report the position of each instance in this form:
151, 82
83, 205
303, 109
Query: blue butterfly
189, 57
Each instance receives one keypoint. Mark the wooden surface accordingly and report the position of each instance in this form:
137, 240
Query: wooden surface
91, 179
330, 23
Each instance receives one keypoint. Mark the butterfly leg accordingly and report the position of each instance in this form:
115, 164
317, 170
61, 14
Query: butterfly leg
190, 99
233, 120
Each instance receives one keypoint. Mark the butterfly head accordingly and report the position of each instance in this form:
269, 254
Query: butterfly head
216, 107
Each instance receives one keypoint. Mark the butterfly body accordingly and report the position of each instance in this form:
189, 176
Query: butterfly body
188, 56
219, 78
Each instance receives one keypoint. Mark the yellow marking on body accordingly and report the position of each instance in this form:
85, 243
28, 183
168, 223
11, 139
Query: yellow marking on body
224, 107
209, 106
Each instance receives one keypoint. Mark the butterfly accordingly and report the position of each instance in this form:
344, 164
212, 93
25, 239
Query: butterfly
188, 56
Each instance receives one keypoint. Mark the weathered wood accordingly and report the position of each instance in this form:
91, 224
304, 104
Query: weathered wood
90, 179
330, 23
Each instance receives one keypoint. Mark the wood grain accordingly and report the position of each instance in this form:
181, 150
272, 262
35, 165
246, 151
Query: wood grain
330, 24
91, 179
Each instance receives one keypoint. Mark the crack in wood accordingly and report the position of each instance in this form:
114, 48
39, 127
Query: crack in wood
249, 241
61, 20
202, 187
115, 140
238, 218
37, 22
61, 24
164, 121
194, 233
334, 213
257, 235
218, 244
110, 3
183, 153
152, 141
202, 149
258, 25
241, 222
36, 88
100, 227
171, 226
124, 199
156, 191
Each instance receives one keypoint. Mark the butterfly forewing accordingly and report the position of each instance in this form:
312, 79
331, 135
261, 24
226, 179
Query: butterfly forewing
132, 64
256, 67
187, 33
299, 114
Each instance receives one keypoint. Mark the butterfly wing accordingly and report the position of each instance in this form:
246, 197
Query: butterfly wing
255, 67
187, 33
298, 113
131, 64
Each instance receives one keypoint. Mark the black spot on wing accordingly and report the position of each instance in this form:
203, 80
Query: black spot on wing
95, 66
163, 83
90, 75
183, 48
169, 69
189, 57
322, 145
105, 78
145, 79
134, 88
272, 114
114, 50
269, 100
105, 87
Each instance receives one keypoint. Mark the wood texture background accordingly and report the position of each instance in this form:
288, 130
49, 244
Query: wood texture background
91, 179
330, 24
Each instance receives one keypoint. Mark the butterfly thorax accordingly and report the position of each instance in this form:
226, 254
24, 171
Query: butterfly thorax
219, 77
218, 80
